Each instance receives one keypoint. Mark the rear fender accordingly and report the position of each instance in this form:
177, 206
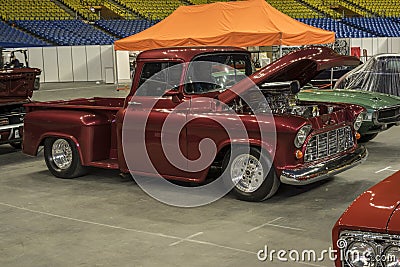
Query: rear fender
90, 132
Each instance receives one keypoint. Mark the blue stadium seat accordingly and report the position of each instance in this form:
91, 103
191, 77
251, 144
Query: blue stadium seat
12, 37
384, 27
341, 29
67, 32
124, 28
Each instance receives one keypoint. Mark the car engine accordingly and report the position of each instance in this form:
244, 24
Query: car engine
279, 100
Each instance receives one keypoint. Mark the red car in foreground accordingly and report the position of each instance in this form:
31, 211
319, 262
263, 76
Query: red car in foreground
291, 141
368, 232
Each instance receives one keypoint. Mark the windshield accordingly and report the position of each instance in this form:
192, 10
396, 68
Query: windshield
379, 74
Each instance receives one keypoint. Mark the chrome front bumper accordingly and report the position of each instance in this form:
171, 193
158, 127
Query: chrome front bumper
324, 170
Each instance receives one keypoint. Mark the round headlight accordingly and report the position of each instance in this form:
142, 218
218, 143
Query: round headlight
358, 121
392, 256
360, 254
301, 135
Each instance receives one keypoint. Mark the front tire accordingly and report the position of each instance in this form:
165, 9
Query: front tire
62, 158
252, 174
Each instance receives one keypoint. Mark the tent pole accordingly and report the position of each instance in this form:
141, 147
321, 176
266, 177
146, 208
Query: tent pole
280, 46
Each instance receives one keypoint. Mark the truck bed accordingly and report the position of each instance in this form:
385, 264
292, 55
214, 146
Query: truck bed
90, 121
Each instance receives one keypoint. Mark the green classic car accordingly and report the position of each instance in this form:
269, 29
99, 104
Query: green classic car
383, 110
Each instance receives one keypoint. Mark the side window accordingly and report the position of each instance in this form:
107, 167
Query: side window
393, 66
157, 77
216, 72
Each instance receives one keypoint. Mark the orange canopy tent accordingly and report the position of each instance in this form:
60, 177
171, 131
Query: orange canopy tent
241, 23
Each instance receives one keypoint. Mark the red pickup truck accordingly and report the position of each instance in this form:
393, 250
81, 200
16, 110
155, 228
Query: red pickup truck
16, 87
303, 141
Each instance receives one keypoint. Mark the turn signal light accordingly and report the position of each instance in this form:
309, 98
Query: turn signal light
358, 135
299, 154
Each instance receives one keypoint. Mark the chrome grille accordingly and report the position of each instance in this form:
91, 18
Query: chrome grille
329, 143
389, 115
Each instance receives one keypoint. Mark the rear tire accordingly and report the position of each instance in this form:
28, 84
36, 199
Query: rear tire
367, 137
252, 174
62, 158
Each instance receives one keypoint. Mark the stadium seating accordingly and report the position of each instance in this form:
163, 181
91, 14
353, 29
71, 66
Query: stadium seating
384, 27
152, 9
82, 9
31, 9
66, 32
324, 7
51, 20
124, 28
122, 12
16, 38
87, 8
342, 30
294, 9
383, 8
200, 2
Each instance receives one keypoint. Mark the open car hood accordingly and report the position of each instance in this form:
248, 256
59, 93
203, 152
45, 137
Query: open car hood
301, 65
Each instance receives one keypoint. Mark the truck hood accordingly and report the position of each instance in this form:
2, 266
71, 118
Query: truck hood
377, 209
301, 65
369, 100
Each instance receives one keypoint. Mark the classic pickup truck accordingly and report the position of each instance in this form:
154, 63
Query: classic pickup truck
303, 141
16, 87
368, 232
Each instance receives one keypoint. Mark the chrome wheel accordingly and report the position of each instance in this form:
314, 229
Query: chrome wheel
61, 154
247, 173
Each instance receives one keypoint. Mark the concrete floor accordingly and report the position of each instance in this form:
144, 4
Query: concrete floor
102, 220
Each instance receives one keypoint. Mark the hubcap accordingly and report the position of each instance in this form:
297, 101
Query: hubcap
247, 173
61, 154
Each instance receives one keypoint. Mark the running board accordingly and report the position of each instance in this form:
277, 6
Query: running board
105, 164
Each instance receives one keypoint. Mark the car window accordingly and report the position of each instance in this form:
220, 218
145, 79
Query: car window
393, 66
216, 72
157, 77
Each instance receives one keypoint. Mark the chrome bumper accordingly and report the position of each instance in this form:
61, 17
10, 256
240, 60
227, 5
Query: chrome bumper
324, 170
11, 126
